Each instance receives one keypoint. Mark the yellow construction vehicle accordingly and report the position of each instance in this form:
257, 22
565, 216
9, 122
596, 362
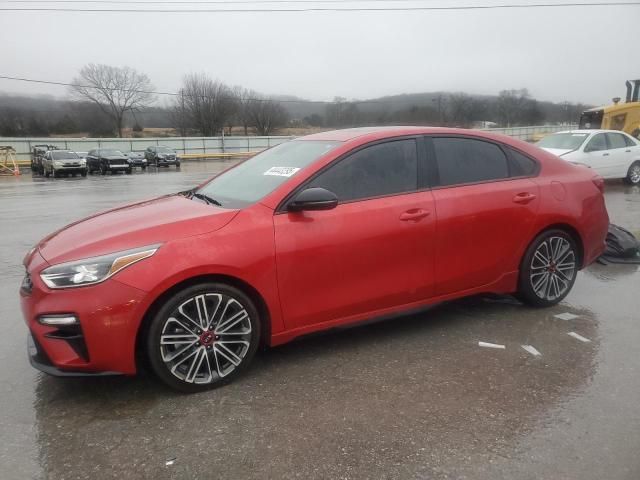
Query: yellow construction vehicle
619, 116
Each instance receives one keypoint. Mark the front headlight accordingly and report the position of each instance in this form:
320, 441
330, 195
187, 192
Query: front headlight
83, 161
57, 164
93, 270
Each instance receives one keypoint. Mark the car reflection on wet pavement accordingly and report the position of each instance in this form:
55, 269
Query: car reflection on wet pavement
415, 397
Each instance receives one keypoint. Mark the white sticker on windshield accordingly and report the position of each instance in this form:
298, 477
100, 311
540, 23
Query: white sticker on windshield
281, 171
578, 134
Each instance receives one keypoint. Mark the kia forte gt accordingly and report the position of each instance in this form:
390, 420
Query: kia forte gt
327, 230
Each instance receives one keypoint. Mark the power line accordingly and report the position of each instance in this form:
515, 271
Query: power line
178, 94
324, 9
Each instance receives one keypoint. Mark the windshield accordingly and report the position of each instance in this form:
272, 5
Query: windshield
563, 141
260, 175
64, 155
164, 150
110, 153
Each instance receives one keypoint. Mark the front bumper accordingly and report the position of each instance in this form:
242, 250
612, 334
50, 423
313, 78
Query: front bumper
39, 360
119, 166
109, 314
74, 169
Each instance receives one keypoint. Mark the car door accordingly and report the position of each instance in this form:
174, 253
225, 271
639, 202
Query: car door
371, 253
598, 156
486, 203
91, 160
621, 154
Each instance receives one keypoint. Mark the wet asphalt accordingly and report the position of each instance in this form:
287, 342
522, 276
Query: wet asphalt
414, 397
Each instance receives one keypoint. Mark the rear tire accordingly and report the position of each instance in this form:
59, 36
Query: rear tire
203, 337
548, 269
633, 175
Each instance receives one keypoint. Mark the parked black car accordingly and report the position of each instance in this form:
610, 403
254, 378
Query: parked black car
161, 157
136, 159
107, 160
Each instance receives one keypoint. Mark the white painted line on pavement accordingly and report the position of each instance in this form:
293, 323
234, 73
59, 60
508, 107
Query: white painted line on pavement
579, 337
532, 350
490, 345
566, 316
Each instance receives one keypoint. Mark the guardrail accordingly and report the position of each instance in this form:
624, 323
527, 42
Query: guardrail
209, 147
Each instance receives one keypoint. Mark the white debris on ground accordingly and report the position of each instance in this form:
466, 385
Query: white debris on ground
490, 345
532, 350
579, 337
566, 316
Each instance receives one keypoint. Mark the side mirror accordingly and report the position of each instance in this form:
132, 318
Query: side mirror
313, 199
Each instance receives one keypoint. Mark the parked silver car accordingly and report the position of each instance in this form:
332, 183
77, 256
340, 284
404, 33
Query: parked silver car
63, 162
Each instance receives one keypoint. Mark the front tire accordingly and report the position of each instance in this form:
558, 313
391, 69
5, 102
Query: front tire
103, 170
203, 336
633, 175
548, 269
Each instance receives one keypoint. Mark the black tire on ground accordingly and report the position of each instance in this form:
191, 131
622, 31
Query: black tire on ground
633, 174
144, 167
103, 170
161, 318
177, 166
527, 283
46, 173
84, 173
128, 171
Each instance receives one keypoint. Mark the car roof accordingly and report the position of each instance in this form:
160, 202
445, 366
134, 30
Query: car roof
374, 133
590, 131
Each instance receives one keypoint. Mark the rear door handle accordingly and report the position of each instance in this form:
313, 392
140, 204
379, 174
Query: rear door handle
524, 198
628, 151
414, 214
605, 154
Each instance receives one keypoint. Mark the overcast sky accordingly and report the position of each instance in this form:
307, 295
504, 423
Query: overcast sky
576, 54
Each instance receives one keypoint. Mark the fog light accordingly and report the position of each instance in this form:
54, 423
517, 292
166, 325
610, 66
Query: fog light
58, 320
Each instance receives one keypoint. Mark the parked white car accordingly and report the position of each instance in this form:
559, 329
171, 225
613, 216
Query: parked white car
611, 153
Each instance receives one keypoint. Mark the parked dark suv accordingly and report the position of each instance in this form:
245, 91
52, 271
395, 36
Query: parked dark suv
161, 157
107, 160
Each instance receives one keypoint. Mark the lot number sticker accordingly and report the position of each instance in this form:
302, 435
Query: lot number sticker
281, 171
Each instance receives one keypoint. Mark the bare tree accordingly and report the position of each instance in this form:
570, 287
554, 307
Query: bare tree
179, 114
116, 90
266, 115
243, 113
210, 103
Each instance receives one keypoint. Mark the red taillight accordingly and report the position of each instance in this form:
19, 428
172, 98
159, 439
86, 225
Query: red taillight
598, 181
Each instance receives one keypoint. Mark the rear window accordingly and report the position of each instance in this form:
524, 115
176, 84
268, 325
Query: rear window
465, 160
563, 141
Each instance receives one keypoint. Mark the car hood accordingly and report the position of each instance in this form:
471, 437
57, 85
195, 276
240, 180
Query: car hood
136, 225
558, 151
115, 157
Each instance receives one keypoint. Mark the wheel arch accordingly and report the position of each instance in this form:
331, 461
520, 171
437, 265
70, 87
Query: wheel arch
242, 285
568, 229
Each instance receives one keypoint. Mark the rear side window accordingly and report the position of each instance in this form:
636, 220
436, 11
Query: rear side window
597, 143
465, 160
383, 169
616, 140
629, 141
521, 165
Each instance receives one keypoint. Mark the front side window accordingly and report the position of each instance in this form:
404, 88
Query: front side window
384, 169
465, 160
597, 143
262, 174
616, 140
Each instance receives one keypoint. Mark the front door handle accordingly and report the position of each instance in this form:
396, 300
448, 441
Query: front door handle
524, 198
605, 154
414, 214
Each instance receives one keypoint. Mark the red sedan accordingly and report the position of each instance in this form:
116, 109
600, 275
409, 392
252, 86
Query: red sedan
323, 231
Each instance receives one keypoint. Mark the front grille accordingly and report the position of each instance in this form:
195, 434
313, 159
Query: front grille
71, 165
27, 284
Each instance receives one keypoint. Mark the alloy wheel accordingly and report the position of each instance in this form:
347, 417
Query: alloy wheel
634, 174
553, 267
205, 338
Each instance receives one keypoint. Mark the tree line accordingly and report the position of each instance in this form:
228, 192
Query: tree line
105, 99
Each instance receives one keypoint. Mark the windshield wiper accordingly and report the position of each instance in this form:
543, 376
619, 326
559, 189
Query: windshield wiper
206, 198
